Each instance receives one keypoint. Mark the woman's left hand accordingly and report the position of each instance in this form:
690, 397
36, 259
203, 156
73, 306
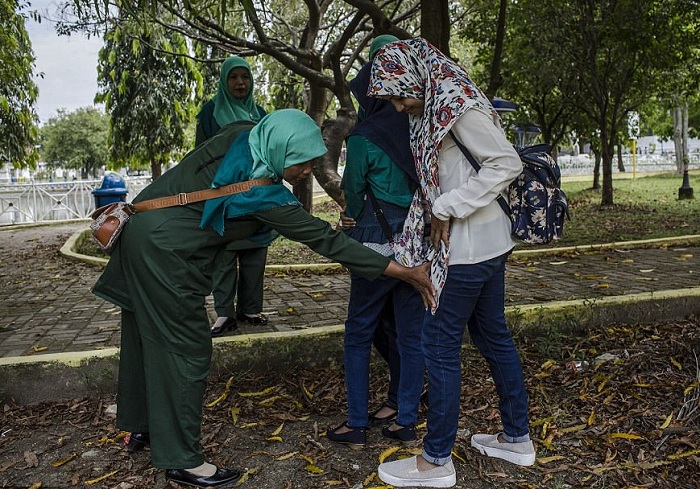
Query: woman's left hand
345, 222
439, 231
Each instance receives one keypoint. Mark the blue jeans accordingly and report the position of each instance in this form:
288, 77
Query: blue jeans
367, 301
473, 296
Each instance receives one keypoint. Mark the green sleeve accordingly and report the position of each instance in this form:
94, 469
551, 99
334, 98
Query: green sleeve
294, 223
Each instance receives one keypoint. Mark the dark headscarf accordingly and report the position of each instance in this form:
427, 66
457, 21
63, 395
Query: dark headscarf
381, 124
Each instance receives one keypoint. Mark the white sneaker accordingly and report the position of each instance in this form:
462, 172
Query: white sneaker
404, 473
522, 453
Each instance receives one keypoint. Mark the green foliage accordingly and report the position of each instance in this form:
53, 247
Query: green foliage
149, 86
18, 93
76, 140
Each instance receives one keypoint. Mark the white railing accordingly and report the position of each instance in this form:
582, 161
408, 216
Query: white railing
41, 202
583, 164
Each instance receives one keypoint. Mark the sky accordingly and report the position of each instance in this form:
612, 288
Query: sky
69, 65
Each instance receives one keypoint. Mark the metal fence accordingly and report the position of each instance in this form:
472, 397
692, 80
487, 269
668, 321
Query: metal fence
42, 202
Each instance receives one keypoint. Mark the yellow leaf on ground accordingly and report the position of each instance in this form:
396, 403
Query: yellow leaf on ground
101, 478
387, 453
223, 395
625, 436
36, 485
313, 469
275, 438
257, 394
601, 286
667, 422
286, 456
38, 348
546, 460
455, 455
369, 479
690, 453
573, 429
676, 363
58, 463
278, 430
235, 411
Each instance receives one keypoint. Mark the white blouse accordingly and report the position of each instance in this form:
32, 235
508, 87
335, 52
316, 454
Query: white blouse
480, 229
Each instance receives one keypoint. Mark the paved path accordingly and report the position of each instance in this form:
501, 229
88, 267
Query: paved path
46, 305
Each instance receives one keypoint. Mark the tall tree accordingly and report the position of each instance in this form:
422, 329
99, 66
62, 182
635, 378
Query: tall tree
620, 52
318, 41
149, 93
18, 93
76, 140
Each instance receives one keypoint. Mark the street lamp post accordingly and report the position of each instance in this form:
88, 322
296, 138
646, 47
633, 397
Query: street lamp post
685, 192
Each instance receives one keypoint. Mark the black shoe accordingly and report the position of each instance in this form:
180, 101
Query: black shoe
254, 319
221, 477
374, 420
355, 438
135, 442
229, 325
404, 433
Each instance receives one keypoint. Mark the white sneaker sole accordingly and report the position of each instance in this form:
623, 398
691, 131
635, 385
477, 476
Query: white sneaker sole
523, 459
447, 481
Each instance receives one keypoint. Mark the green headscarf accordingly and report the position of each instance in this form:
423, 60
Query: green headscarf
281, 139
227, 108
379, 42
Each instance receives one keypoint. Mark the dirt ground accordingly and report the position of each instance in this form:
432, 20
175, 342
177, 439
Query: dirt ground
627, 420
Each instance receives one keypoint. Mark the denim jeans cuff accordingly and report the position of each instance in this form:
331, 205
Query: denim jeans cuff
436, 460
516, 439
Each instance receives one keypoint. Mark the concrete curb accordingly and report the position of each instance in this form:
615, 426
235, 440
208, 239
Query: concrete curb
30, 379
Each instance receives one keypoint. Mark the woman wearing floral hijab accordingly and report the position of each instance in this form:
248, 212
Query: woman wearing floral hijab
469, 245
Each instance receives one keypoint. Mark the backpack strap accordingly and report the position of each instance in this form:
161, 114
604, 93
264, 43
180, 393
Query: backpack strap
500, 199
379, 214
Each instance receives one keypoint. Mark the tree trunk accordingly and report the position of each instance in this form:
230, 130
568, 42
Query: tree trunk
156, 167
596, 168
496, 79
607, 152
680, 133
435, 24
620, 163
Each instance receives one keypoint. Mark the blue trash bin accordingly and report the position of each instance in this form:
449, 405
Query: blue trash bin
112, 189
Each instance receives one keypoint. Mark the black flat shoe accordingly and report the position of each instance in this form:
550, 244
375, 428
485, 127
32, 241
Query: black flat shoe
355, 438
404, 433
135, 442
374, 420
255, 319
229, 325
221, 477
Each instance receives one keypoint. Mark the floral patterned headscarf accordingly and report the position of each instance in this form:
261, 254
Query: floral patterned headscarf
414, 68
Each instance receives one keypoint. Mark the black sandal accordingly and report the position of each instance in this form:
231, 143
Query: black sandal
404, 433
374, 420
355, 438
135, 442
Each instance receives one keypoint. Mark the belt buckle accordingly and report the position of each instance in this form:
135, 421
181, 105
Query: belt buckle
182, 199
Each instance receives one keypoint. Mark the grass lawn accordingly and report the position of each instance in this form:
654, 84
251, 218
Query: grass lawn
646, 207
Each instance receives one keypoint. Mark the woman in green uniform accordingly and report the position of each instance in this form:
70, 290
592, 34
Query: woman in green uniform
239, 280
160, 275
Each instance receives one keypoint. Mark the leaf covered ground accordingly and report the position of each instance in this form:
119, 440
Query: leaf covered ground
627, 420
